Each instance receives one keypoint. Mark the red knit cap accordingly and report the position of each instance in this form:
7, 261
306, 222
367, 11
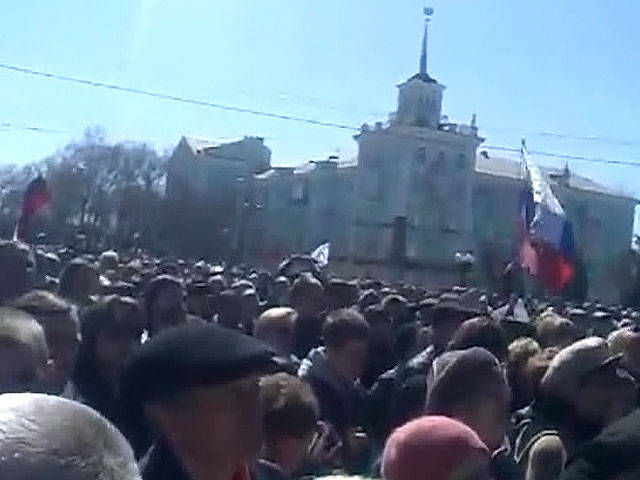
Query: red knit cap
430, 448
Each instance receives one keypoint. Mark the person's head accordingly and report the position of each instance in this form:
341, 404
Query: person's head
111, 332
217, 284
536, 367
241, 286
585, 383
165, 304
276, 328
43, 436
249, 308
307, 296
346, 336
197, 301
109, 260
48, 264
425, 310
367, 299
380, 323
59, 320
406, 341
435, 448
79, 281
23, 352
469, 385
199, 387
520, 351
228, 307
290, 419
555, 331
396, 308
626, 342
280, 290
340, 294
446, 318
481, 332
16, 263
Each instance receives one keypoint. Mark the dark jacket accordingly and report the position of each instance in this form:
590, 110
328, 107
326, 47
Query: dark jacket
339, 399
398, 395
265, 470
611, 455
160, 463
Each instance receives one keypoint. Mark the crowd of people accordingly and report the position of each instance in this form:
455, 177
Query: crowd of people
123, 366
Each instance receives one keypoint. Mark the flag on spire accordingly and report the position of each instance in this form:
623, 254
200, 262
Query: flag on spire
545, 235
35, 198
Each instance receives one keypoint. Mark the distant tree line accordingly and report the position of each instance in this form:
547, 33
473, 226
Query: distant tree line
105, 194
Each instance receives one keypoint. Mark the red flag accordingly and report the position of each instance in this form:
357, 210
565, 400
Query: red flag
35, 198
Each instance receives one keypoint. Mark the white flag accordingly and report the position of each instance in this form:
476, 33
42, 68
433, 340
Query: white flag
321, 255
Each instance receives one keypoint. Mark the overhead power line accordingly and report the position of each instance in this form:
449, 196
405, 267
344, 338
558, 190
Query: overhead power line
13, 126
280, 116
175, 98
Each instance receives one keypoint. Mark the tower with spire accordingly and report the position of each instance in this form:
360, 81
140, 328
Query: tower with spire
414, 179
420, 97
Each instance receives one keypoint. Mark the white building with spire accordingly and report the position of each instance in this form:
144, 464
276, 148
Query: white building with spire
409, 170
416, 199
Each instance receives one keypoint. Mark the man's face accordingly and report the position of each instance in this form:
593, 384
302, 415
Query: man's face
223, 422
490, 417
63, 339
605, 395
351, 358
21, 369
631, 359
168, 309
114, 347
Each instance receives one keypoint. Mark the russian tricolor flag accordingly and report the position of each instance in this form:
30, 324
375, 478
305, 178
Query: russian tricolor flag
545, 235
36, 197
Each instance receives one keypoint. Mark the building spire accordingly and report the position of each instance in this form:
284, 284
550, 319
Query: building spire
428, 11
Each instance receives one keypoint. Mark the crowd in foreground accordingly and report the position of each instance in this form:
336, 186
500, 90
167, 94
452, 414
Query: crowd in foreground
125, 366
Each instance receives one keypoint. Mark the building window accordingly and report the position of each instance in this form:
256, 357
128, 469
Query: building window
421, 157
371, 184
299, 192
462, 162
439, 164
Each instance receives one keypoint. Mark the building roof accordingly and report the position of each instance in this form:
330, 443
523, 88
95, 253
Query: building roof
200, 145
506, 167
425, 77
341, 166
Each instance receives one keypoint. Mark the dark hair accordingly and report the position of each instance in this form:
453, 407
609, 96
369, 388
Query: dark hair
552, 330
228, 307
375, 314
155, 288
105, 315
42, 302
71, 278
464, 382
304, 284
481, 332
343, 326
290, 407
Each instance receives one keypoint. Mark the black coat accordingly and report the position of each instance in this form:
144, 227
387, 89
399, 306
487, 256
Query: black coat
160, 463
340, 401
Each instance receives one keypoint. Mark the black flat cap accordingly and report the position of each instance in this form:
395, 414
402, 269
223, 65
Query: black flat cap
191, 356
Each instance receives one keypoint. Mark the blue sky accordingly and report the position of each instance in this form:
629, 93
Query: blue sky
525, 67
